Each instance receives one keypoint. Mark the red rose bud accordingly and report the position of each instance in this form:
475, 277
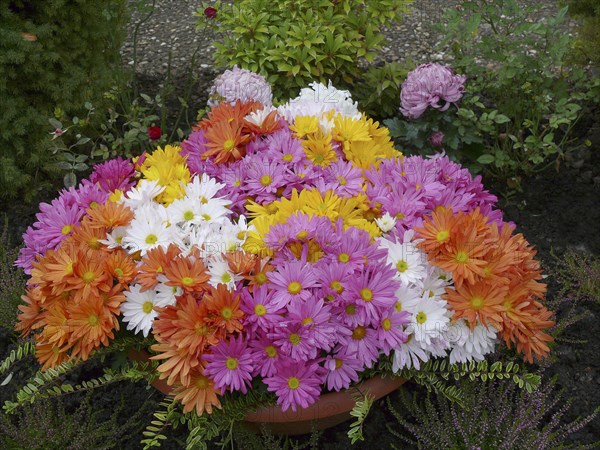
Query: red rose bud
210, 12
154, 133
436, 139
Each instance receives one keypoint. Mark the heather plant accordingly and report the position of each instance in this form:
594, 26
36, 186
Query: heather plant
521, 102
12, 282
494, 415
295, 42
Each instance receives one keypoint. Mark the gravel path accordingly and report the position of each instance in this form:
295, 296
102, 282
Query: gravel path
169, 34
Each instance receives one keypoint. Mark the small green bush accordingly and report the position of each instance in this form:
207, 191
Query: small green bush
294, 42
54, 54
12, 282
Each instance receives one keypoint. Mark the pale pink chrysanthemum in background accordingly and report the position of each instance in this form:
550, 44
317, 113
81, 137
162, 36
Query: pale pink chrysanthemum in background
240, 84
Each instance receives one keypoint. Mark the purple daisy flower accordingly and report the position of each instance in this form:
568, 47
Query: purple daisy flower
428, 85
292, 281
343, 177
283, 147
334, 278
230, 365
194, 147
342, 370
265, 353
390, 332
373, 291
263, 178
259, 308
295, 384
363, 345
315, 317
114, 174
295, 340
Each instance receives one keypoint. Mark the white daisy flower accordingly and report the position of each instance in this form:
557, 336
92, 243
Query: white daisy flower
143, 236
435, 283
407, 299
204, 188
429, 319
257, 118
470, 344
184, 211
142, 194
220, 273
138, 309
114, 238
409, 261
410, 354
386, 222
213, 211
167, 295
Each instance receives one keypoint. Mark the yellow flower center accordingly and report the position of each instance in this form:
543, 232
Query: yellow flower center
188, 215
260, 310
337, 286
226, 278
294, 287
477, 302
119, 272
93, 320
231, 363
271, 351
461, 257
338, 363
402, 266
302, 235
66, 229
342, 180
421, 317
350, 310
359, 333
88, 277
442, 236
287, 157
366, 294
295, 338
187, 281
206, 217
398, 306
343, 257
151, 239
260, 278
293, 383
227, 313
202, 382
386, 324
148, 307
228, 145
266, 180
307, 321
201, 329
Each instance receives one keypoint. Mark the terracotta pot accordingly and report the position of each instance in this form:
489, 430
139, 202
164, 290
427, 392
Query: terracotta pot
331, 409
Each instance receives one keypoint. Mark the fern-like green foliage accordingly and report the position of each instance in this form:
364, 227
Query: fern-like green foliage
360, 412
24, 350
54, 55
48, 384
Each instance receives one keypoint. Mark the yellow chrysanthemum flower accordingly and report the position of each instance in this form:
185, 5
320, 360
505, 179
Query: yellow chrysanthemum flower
305, 125
347, 129
168, 167
318, 149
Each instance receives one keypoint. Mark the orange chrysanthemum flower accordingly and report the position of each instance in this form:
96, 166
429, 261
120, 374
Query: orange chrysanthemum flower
57, 330
121, 267
188, 273
259, 274
226, 142
478, 302
178, 365
89, 277
240, 262
199, 394
110, 215
154, 263
225, 112
31, 314
92, 324
269, 125
195, 330
89, 237
50, 355
463, 257
224, 308
112, 299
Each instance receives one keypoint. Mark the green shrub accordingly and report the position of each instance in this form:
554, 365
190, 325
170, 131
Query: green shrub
12, 282
521, 100
294, 42
54, 55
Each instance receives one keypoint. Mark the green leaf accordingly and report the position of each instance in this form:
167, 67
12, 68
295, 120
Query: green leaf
486, 159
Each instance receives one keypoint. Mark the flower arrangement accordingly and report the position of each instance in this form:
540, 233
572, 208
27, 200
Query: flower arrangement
288, 249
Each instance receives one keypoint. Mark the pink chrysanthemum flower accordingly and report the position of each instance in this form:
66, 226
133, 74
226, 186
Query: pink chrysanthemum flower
292, 281
315, 317
390, 332
240, 84
263, 178
295, 384
114, 174
342, 370
334, 279
363, 345
428, 85
194, 147
372, 291
266, 355
282, 147
260, 309
295, 340
342, 177
230, 365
